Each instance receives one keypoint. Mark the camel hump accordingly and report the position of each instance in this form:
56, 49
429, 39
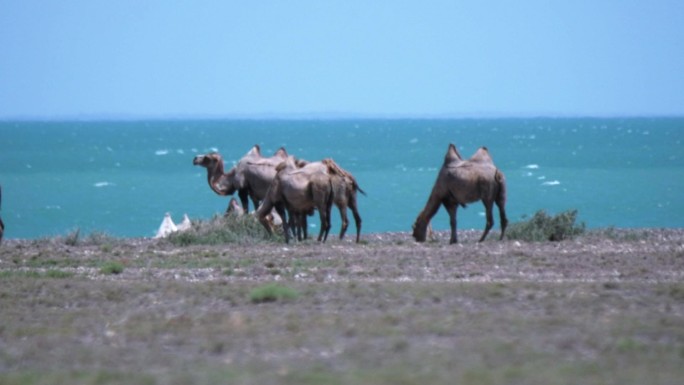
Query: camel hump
256, 150
281, 153
482, 155
452, 154
289, 162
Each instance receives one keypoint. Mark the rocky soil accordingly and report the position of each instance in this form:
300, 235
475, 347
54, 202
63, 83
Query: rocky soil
606, 307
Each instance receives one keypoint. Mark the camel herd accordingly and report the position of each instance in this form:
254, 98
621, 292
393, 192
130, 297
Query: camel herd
293, 189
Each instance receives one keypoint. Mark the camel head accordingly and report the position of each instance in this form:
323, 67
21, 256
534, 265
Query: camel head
220, 182
420, 229
209, 160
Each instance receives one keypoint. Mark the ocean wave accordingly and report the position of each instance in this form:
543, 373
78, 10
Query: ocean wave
551, 183
532, 166
161, 152
103, 184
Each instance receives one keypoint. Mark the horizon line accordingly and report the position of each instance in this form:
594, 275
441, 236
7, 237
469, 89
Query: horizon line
322, 116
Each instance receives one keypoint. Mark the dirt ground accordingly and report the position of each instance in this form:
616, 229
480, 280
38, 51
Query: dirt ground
605, 308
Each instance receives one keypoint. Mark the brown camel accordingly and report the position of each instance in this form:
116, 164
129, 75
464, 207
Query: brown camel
250, 178
345, 188
460, 182
299, 191
254, 174
222, 183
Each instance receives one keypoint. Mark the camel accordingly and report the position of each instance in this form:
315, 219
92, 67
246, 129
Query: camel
345, 188
251, 177
220, 182
299, 190
254, 174
460, 182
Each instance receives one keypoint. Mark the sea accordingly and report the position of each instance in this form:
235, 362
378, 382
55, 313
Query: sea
121, 177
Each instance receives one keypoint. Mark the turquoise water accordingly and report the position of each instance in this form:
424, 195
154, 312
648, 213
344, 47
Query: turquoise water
120, 177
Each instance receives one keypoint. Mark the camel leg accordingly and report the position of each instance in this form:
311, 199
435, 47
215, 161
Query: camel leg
325, 224
328, 223
357, 218
280, 209
345, 220
244, 200
294, 223
504, 220
490, 220
451, 210
262, 213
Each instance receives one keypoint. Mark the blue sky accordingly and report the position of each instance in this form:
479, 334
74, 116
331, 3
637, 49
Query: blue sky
89, 58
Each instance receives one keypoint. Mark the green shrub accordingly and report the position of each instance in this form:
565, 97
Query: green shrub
112, 268
272, 292
543, 227
244, 229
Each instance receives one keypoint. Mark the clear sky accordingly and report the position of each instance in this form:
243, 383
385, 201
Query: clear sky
89, 58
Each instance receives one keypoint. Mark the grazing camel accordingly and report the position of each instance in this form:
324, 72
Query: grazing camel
460, 182
345, 188
300, 191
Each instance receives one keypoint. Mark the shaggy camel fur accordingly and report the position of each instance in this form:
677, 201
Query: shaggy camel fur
460, 182
345, 188
299, 191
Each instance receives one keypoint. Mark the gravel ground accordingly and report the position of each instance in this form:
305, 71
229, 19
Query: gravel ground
606, 307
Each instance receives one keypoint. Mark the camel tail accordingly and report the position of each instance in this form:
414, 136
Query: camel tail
334, 168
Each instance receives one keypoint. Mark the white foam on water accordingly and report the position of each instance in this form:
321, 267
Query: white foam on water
551, 183
532, 166
103, 184
161, 152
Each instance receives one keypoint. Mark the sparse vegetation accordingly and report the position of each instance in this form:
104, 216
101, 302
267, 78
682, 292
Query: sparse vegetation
544, 227
390, 311
244, 229
96, 238
110, 268
272, 292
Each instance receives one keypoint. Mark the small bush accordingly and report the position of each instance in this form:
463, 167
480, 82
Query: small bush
272, 292
71, 239
110, 268
244, 229
543, 227
96, 238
